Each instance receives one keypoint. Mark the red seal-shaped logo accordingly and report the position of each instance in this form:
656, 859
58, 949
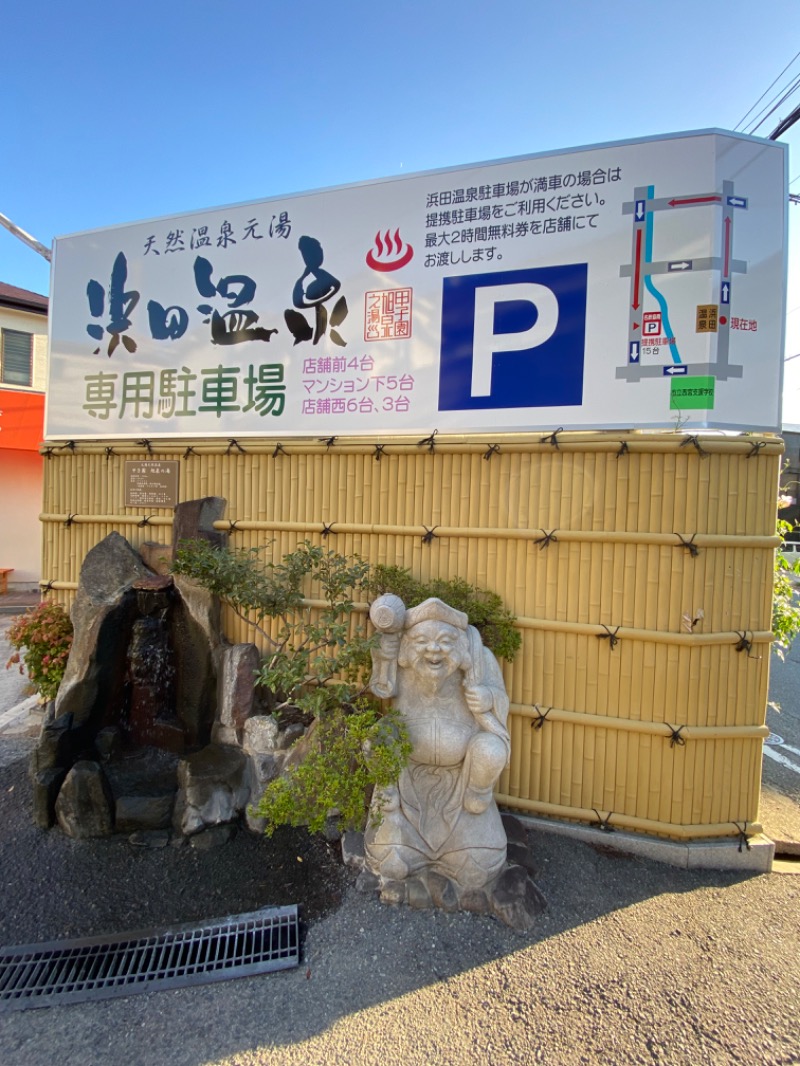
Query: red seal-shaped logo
390, 253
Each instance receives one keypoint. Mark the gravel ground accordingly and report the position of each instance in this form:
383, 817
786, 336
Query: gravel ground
55, 887
634, 962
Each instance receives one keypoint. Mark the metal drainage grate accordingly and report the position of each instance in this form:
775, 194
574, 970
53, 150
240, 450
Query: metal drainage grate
69, 971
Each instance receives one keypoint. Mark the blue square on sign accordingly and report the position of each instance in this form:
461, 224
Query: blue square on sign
513, 338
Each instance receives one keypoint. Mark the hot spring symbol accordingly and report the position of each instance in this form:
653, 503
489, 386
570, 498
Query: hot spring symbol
390, 252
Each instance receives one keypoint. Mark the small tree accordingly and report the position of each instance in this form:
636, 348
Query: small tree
316, 660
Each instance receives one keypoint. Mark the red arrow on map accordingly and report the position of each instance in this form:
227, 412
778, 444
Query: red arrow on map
637, 270
695, 200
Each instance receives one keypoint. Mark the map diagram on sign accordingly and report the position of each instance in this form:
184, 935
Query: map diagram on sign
662, 327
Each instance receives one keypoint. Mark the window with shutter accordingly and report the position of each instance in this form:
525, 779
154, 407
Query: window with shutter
16, 358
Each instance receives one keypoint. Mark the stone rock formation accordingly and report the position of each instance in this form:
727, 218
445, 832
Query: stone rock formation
141, 671
85, 804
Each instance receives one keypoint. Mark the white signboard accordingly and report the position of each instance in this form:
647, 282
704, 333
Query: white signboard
632, 284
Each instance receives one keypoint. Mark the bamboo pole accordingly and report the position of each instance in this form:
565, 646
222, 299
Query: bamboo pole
631, 725
608, 441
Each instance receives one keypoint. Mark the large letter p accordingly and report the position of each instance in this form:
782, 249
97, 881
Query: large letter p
486, 342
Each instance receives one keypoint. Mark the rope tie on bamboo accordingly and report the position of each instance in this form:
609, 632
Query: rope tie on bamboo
755, 448
148, 447
70, 445
742, 831
327, 529
233, 443
541, 718
145, 520
379, 450
189, 451
547, 539
233, 525
279, 450
675, 738
109, 453
610, 635
743, 644
49, 453
689, 545
429, 535
327, 441
693, 440
623, 449
69, 520
493, 450
430, 441
46, 586
603, 824
552, 438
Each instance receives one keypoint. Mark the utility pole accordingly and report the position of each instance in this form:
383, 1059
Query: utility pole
25, 237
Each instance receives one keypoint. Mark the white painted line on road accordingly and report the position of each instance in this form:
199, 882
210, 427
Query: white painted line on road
772, 754
788, 747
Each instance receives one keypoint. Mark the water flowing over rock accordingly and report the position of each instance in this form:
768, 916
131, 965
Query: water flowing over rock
142, 674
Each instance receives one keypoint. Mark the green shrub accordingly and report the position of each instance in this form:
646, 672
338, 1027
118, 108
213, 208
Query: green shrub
42, 638
485, 610
353, 751
785, 609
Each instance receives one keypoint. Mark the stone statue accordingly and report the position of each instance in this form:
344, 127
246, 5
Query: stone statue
441, 816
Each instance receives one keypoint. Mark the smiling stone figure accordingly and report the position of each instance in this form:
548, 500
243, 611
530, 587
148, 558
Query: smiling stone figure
441, 816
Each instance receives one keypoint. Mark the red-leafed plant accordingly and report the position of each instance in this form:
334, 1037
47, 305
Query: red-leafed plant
42, 638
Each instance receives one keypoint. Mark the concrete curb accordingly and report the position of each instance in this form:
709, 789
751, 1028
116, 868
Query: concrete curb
689, 855
23, 717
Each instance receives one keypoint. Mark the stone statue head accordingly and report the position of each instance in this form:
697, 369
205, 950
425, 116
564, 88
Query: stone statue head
435, 643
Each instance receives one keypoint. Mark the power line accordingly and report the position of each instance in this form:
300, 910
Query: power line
785, 124
787, 93
758, 101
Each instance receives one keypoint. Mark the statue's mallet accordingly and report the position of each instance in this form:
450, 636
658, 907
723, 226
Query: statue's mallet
388, 614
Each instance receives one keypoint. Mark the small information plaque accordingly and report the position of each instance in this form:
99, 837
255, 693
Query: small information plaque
151, 483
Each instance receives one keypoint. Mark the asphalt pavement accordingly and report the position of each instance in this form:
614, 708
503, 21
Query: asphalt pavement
780, 778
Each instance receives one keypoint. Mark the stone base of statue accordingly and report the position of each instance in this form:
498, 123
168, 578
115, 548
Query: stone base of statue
511, 896
436, 837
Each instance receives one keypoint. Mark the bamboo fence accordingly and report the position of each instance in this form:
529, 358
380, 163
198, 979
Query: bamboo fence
639, 566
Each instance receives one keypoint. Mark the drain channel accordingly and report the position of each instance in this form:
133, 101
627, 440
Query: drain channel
70, 971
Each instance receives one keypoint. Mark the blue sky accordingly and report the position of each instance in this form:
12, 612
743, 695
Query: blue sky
116, 114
